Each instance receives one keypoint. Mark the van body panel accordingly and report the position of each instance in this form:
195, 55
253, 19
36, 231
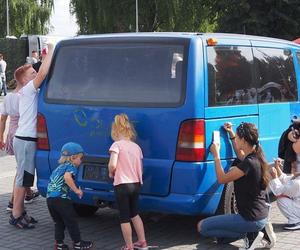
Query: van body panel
226, 151
272, 44
196, 80
90, 126
231, 41
272, 126
42, 160
233, 111
196, 178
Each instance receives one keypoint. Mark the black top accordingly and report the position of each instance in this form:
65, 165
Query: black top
250, 195
37, 66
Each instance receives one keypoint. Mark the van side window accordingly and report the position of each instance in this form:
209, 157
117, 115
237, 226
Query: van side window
230, 71
141, 74
275, 75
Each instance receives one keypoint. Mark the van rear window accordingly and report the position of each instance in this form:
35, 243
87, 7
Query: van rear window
128, 74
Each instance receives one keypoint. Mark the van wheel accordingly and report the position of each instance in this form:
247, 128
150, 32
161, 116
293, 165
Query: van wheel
227, 203
84, 210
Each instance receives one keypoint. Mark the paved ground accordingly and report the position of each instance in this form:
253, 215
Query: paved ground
166, 232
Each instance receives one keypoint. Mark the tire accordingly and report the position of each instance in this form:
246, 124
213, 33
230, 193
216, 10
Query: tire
85, 210
227, 203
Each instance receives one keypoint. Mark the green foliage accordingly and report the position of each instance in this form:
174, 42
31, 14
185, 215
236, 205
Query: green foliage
273, 18
26, 16
103, 16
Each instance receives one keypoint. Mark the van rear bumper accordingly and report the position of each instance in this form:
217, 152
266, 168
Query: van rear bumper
172, 204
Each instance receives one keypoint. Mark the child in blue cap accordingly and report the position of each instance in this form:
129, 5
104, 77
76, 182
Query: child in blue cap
58, 200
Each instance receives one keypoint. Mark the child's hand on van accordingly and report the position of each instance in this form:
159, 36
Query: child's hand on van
79, 193
215, 150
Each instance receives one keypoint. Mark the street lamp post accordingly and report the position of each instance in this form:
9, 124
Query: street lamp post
7, 19
136, 16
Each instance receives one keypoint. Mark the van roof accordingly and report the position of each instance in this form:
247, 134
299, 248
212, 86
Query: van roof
191, 35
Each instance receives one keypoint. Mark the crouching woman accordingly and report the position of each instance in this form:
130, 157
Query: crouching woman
250, 178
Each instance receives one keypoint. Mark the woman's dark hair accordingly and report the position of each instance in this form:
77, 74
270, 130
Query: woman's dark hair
249, 133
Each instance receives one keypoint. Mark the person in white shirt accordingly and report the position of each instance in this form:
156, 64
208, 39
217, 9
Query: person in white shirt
287, 190
3, 87
24, 143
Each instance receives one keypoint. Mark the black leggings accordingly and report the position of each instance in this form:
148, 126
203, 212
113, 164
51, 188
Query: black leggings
127, 196
64, 216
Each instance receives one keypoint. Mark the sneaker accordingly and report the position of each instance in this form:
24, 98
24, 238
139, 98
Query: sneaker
30, 198
269, 238
295, 226
251, 241
61, 246
9, 207
140, 245
82, 245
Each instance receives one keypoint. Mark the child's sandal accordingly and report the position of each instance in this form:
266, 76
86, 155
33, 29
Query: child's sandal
20, 223
28, 218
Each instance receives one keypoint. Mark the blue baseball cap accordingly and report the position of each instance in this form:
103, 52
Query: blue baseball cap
71, 148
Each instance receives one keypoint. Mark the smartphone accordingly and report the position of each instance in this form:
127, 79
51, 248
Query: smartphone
216, 136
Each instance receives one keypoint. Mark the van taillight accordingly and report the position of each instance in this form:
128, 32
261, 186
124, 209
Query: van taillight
191, 141
42, 133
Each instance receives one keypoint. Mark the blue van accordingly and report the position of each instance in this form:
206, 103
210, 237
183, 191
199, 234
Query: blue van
177, 88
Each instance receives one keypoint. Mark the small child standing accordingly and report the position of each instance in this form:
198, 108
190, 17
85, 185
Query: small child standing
58, 200
125, 166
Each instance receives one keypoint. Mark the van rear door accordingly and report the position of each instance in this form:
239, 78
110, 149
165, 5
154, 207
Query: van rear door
93, 79
277, 91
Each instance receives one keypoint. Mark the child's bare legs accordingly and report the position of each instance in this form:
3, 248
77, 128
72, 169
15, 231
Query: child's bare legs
19, 195
139, 228
12, 194
127, 234
28, 192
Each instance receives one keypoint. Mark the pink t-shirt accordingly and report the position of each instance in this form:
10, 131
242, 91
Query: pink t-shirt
129, 164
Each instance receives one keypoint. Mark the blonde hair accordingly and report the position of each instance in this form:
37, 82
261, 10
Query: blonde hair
63, 159
122, 126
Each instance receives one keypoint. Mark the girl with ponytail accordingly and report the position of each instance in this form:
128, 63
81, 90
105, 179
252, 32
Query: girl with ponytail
125, 166
250, 177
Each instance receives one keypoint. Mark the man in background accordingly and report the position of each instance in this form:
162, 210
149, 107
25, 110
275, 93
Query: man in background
34, 57
2, 76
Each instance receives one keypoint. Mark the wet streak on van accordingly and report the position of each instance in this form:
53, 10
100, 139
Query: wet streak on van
177, 89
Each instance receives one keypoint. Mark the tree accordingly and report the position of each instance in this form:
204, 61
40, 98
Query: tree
26, 16
102, 16
273, 18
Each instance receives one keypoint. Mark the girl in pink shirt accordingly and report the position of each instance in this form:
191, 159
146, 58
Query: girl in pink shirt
125, 166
